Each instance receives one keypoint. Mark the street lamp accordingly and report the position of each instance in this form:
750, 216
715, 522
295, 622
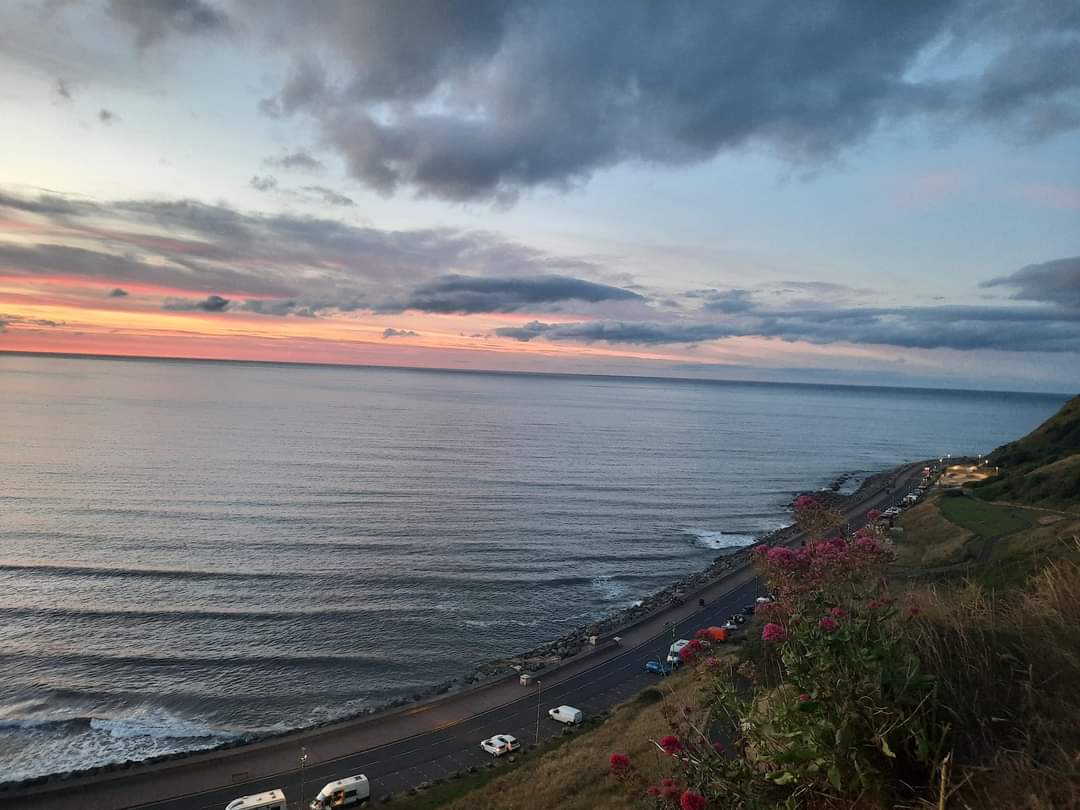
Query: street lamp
303, 761
539, 687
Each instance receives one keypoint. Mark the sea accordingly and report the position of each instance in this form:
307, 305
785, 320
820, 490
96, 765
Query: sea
196, 551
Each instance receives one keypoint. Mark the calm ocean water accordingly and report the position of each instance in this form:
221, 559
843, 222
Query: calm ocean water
190, 551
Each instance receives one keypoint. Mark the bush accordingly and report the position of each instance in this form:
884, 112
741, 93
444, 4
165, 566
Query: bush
837, 712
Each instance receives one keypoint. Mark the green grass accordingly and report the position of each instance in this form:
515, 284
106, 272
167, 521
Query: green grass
985, 520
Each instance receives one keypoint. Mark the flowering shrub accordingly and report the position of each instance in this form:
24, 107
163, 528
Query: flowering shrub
838, 708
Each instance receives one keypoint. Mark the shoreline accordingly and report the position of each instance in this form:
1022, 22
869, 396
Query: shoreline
548, 655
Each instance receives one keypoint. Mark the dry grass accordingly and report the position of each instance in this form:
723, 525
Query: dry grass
575, 775
1008, 669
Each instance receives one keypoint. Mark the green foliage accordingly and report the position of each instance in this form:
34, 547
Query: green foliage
838, 708
986, 521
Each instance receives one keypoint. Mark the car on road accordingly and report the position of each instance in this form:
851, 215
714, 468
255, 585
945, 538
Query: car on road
748, 610
342, 793
655, 667
892, 511
500, 744
270, 800
567, 715
730, 626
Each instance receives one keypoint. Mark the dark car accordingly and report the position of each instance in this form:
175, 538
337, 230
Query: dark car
748, 610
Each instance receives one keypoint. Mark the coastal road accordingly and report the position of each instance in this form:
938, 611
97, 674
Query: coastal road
445, 735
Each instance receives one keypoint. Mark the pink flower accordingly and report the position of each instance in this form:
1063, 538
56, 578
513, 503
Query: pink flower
914, 610
653, 791
712, 662
692, 801
687, 653
874, 604
667, 782
778, 555
619, 764
805, 502
718, 747
837, 612
827, 624
873, 515
773, 633
804, 698
671, 744
702, 633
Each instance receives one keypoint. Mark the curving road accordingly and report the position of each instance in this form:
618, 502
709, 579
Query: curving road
429, 741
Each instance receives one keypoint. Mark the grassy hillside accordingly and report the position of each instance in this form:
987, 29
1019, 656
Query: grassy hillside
1041, 469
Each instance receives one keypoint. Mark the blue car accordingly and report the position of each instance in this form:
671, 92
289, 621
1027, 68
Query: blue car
657, 668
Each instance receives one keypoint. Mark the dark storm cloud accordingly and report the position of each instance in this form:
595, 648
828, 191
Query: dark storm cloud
466, 294
212, 303
390, 332
153, 20
64, 260
328, 195
1055, 282
263, 183
288, 264
642, 333
296, 161
117, 292
469, 100
964, 328
107, 116
729, 301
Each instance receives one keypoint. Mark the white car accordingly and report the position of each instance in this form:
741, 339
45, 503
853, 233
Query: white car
500, 744
567, 715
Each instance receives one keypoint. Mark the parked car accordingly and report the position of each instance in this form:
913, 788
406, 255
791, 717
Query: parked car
342, 793
730, 626
748, 610
500, 744
656, 667
567, 715
270, 800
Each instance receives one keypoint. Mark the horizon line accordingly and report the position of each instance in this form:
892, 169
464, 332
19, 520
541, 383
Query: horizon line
570, 374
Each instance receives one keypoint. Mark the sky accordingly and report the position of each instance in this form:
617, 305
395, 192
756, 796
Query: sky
844, 192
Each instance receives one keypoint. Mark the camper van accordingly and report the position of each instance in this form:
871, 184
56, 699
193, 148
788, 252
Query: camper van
270, 800
567, 715
673, 657
343, 793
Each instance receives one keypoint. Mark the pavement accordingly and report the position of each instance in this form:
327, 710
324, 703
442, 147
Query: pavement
432, 740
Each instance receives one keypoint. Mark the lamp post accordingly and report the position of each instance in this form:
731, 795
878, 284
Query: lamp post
539, 688
303, 761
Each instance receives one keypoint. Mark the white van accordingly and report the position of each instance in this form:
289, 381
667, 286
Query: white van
271, 800
342, 793
566, 714
673, 657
